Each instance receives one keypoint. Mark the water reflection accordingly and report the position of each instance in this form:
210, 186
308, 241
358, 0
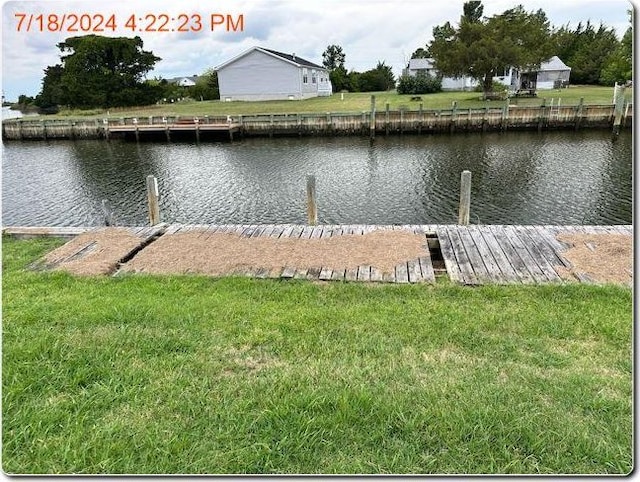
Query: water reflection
518, 177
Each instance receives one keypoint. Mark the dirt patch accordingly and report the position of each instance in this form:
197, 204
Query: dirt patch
600, 258
92, 253
226, 253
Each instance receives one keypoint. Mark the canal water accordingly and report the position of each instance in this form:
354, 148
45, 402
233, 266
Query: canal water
562, 177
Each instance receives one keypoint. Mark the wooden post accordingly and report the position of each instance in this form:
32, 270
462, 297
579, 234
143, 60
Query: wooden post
135, 122
454, 116
329, 124
386, 120
541, 117
299, 123
421, 119
505, 116
465, 198
372, 119
626, 113
197, 122
44, 130
618, 110
484, 119
578, 117
312, 208
152, 200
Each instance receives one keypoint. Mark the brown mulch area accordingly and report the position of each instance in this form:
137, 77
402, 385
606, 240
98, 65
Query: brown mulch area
91, 253
226, 253
603, 258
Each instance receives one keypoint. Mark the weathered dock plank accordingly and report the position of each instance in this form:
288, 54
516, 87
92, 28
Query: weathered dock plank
511, 254
449, 256
426, 269
460, 256
508, 272
529, 261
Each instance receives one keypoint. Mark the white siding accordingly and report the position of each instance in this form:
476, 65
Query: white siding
259, 76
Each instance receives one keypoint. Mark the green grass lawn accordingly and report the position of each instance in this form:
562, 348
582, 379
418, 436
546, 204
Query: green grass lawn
354, 102
142, 374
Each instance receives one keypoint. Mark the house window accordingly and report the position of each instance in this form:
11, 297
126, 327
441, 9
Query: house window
314, 79
305, 76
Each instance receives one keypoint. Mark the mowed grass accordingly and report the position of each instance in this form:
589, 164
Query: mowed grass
353, 102
192, 375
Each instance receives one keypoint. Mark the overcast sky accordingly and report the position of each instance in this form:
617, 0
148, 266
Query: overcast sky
368, 30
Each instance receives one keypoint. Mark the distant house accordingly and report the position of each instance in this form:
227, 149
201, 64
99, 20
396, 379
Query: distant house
265, 74
552, 74
426, 66
184, 81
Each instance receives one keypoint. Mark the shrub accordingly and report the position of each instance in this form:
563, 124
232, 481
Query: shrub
421, 83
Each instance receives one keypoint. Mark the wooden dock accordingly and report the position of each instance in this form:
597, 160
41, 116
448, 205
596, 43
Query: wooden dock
468, 255
194, 126
495, 116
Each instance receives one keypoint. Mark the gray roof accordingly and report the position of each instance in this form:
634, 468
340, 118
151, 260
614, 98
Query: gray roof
291, 58
174, 80
554, 63
294, 58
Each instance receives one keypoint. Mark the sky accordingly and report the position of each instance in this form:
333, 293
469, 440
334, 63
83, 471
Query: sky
368, 30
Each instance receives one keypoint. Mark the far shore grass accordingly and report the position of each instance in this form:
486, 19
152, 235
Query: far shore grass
351, 102
193, 375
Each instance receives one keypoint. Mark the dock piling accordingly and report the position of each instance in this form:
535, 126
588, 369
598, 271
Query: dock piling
152, 200
465, 198
312, 208
372, 119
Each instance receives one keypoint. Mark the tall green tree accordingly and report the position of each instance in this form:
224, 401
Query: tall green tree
420, 53
99, 71
586, 50
333, 59
206, 87
52, 93
377, 79
619, 66
481, 47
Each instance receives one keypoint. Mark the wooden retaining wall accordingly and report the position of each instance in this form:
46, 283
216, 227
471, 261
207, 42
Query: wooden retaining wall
501, 118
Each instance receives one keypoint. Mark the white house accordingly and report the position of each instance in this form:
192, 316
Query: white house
550, 74
265, 74
184, 81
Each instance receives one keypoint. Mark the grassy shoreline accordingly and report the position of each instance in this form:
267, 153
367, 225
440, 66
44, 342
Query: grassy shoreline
187, 374
353, 102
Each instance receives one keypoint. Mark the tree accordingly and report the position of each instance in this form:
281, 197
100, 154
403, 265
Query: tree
619, 65
420, 53
421, 83
333, 60
52, 93
587, 51
481, 47
333, 57
206, 87
100, 71
380, 78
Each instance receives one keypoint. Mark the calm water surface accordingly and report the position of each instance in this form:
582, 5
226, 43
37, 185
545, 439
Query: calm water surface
519, 178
